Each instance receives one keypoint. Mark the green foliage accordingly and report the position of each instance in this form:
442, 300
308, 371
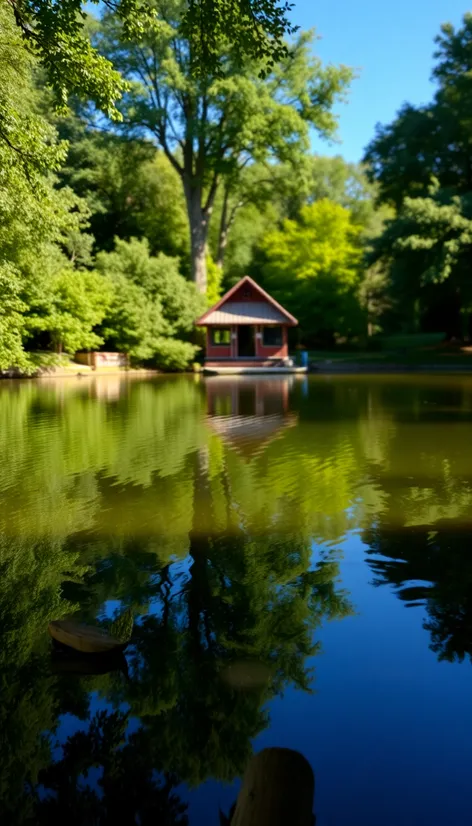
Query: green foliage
173, 355
159, 278
11, 320
131, 320
422, 164
131, 190
151, 303
74, 305
122, 627
27, 143
255, 30
313, 268
432, 141
36, 221
215, 278
57, 36
250, 226
428, 246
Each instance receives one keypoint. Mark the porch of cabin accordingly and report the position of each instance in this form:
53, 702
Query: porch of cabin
247, 345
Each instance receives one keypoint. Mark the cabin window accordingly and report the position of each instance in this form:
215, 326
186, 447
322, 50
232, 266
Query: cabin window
272, 337
221, 336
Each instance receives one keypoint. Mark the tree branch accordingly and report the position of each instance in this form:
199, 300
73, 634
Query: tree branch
211, 194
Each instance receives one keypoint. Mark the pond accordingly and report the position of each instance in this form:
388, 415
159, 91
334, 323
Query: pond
297, 555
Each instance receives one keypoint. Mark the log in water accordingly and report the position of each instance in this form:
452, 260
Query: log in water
85, 638
278, 790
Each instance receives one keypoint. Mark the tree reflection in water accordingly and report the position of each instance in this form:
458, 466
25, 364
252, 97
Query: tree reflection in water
437, 559
223, 573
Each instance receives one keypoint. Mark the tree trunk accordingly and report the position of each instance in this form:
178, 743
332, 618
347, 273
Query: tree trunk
223, 234
198, 221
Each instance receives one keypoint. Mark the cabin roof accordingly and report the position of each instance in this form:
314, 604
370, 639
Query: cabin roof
266, 311
241, 312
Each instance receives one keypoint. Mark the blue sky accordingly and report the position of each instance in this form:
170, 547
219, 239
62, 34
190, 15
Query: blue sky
392, 47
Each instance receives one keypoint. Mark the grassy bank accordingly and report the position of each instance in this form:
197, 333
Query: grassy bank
447, 355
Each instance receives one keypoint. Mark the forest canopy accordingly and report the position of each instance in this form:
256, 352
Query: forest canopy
147, 175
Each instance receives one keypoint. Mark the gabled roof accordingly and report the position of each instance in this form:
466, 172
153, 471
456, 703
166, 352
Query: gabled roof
266, 311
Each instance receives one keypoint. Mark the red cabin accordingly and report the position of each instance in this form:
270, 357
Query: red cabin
246, 328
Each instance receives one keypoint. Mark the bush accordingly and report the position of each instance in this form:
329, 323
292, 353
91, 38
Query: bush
172, 354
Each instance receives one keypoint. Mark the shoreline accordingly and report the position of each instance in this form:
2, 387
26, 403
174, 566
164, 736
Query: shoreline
332, 369
374, 368
64, 373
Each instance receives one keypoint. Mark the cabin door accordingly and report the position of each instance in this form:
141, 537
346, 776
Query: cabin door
246, 341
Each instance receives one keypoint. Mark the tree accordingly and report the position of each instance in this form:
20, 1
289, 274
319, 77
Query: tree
12, 353
313, 267
432, 141
75, 303
248, 205
211, 126
160, 280
427, 250
36, 221
132, 190
28, 145
422, 163
56, 34
152, 303
375, 296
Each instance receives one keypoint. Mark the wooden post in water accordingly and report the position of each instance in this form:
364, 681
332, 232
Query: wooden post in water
278, 790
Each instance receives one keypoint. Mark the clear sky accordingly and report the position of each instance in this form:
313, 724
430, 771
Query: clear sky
391, 44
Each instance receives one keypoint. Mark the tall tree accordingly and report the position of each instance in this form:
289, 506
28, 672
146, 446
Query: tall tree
432, 141
259, 191
313, 266
211, 126
422, 163
130, 188
36, 221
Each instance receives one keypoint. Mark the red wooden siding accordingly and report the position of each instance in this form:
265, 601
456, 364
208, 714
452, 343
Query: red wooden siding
216, 351
280, 351
220, 351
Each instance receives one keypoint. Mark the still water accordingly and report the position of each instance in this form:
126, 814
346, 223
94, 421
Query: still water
319, 528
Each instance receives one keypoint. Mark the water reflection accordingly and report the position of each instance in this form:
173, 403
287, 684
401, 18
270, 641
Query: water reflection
248, 413
418, 541
215, 511
430, 566
136, 503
